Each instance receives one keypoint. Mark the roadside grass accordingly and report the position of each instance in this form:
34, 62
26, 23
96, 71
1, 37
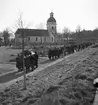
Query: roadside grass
7, 59
7, 54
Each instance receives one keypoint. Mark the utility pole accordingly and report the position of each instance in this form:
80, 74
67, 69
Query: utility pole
24, 73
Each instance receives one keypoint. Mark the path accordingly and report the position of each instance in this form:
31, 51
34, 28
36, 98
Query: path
9, 78
13, 72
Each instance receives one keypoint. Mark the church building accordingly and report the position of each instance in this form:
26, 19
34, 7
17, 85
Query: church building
38, 35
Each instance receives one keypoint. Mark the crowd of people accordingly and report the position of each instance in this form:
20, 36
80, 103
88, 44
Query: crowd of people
53, 52
30, 60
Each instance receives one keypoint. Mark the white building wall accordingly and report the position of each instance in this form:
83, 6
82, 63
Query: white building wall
41, 39
45, 39
35, 39
32, 39
50, 25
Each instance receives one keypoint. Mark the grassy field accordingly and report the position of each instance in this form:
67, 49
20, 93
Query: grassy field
7, 54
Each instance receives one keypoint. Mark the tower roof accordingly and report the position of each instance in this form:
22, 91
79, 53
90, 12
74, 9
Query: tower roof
51, 18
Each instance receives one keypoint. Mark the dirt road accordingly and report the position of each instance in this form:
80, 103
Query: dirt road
13, 72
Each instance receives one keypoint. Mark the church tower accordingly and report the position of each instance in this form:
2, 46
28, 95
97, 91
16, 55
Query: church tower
51, 25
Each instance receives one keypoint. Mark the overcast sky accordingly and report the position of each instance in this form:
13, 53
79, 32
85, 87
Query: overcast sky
68, 13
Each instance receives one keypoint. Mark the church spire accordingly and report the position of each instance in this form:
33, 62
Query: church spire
51, 18
51, 14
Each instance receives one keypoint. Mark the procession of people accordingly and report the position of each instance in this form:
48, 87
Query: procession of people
30, 60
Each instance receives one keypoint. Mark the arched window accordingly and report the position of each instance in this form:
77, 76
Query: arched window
52, 39
36, 38
44, 39
52, 28
28, 38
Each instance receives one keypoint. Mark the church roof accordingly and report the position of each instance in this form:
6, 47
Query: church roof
51, 18
33, 32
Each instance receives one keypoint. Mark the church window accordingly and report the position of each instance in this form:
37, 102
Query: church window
36, 38
44, 39
28, 38
52, 38
52, 28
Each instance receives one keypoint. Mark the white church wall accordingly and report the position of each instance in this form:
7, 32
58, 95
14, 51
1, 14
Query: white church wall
42, 39
35, 39
45, 39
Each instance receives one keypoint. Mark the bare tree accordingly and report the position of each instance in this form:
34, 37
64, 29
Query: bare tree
78, 34
21, 24
66, 33
6, 36
40, 26
1, 38
78, 28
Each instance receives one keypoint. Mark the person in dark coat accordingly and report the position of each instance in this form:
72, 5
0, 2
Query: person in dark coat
32, 61
36, 59
49, 54
19, 63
